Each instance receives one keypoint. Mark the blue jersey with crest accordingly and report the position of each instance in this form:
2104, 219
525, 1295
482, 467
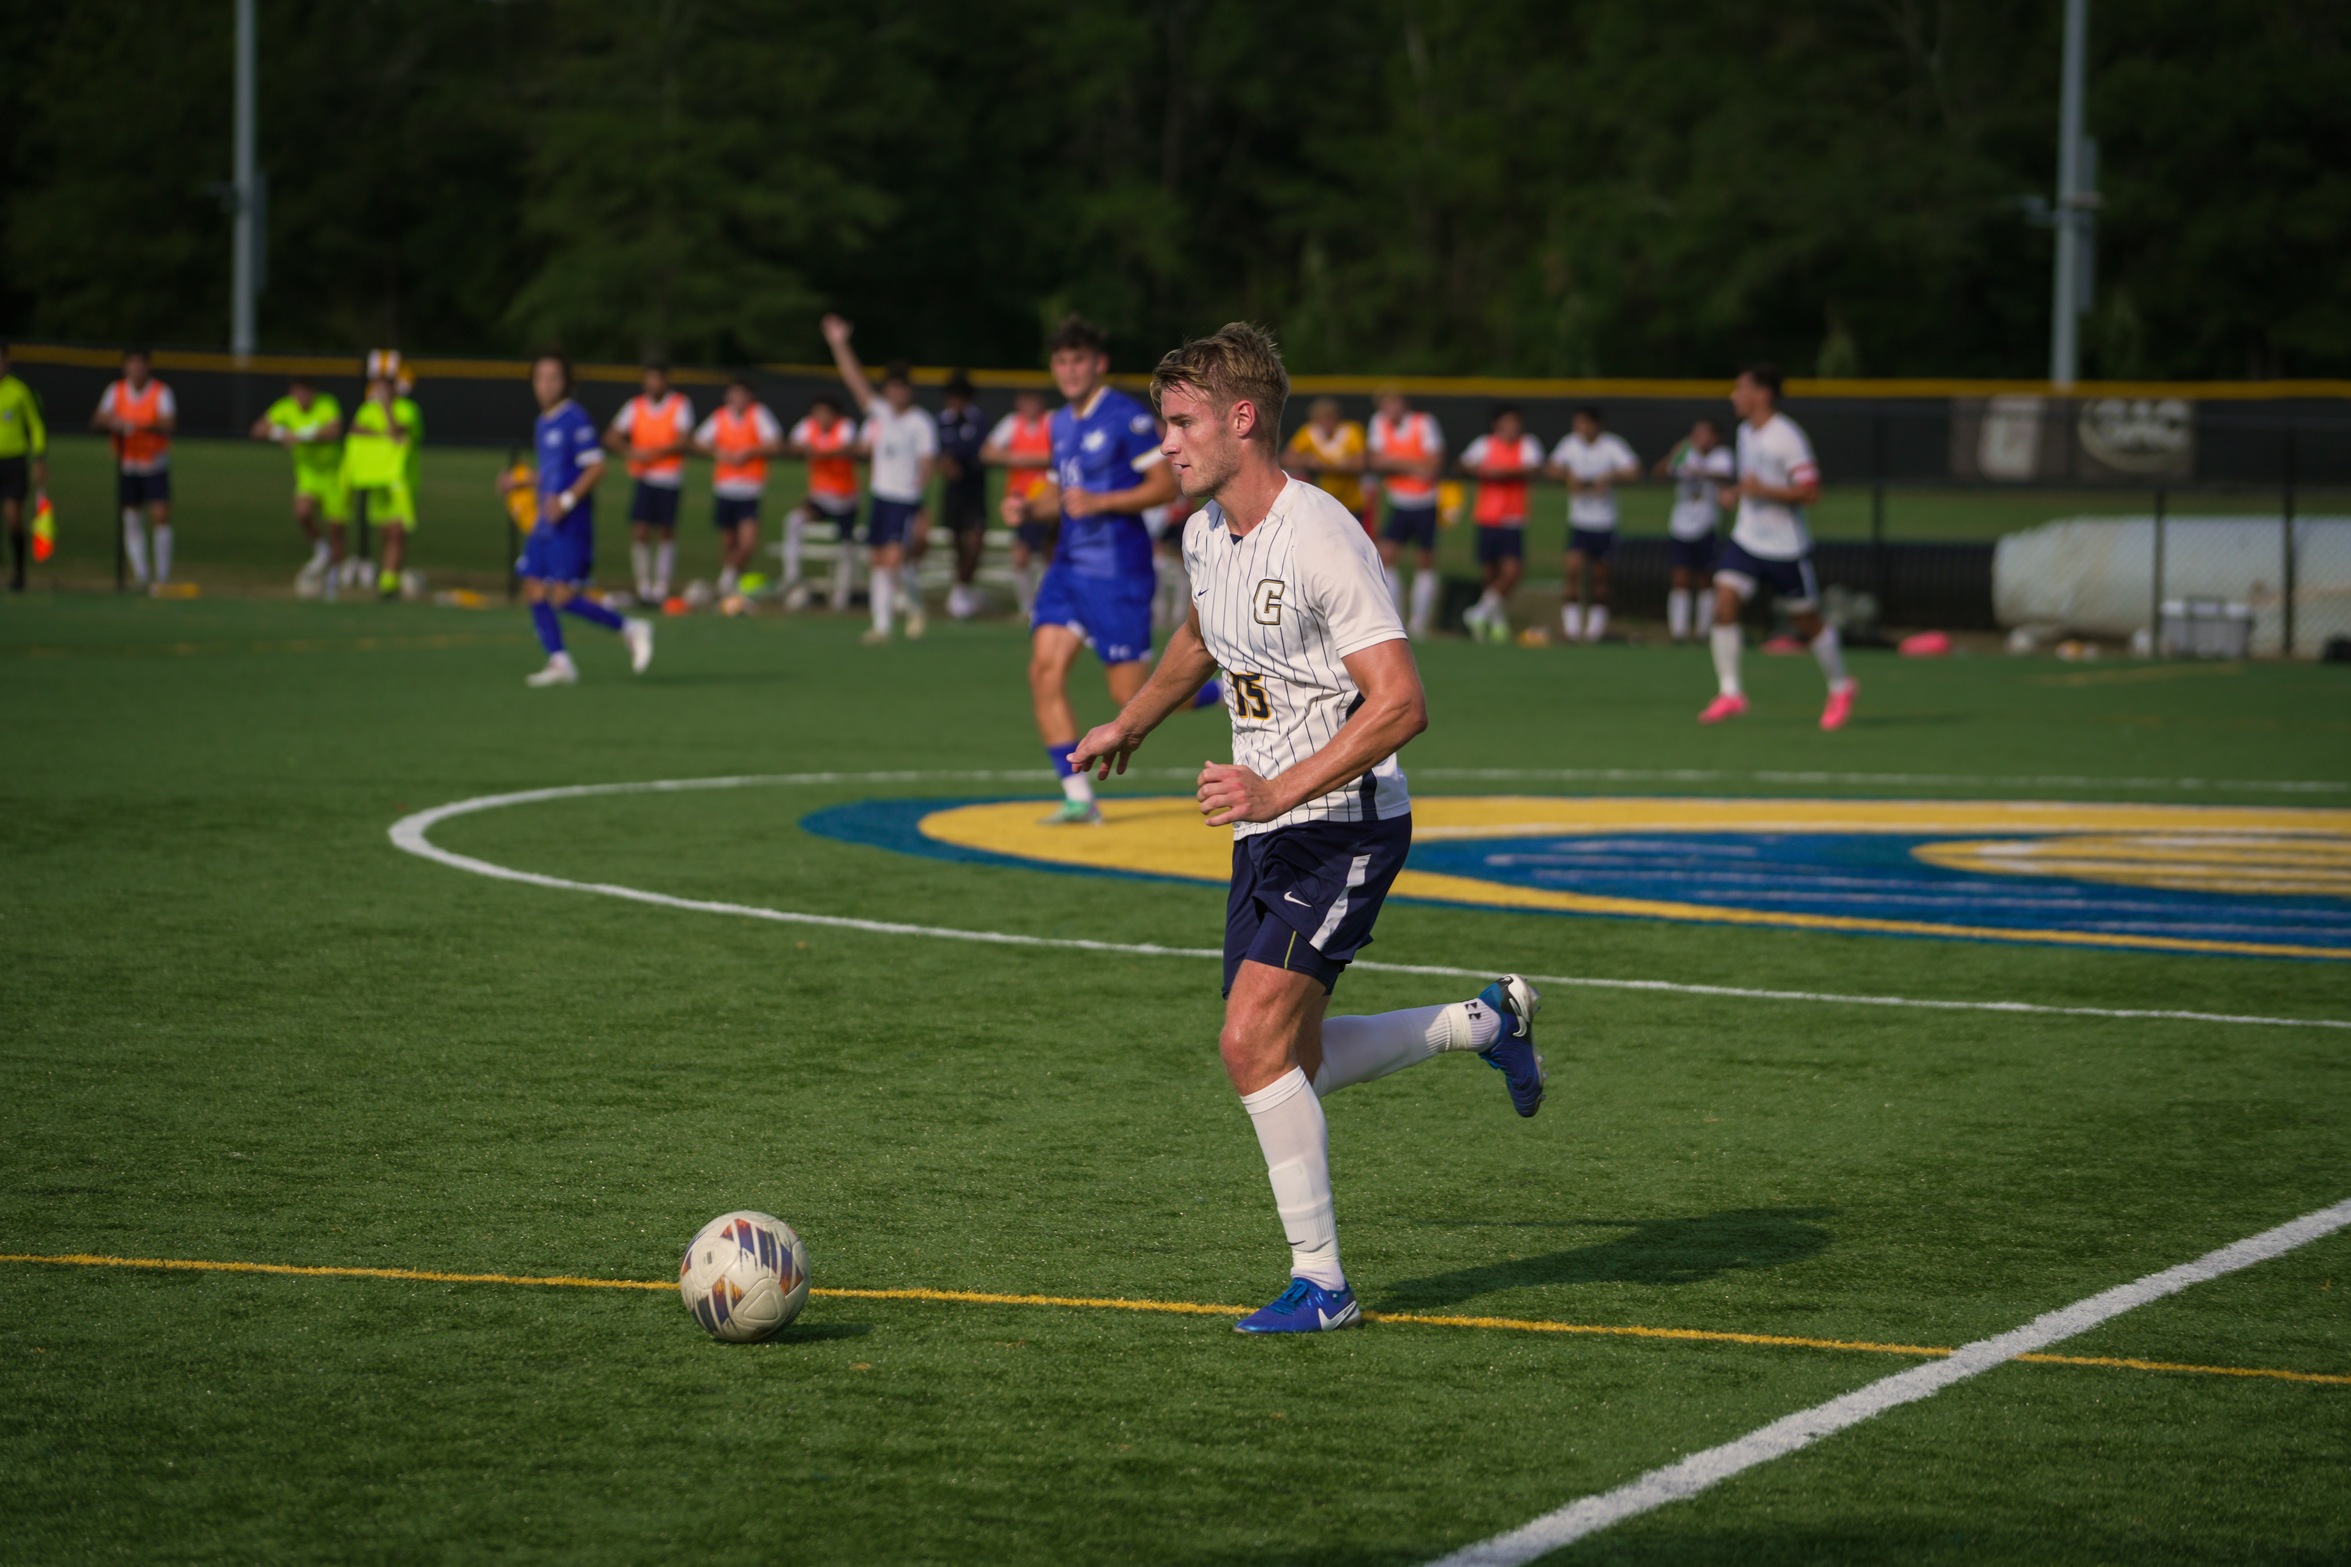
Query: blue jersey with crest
1100, 452
567, 447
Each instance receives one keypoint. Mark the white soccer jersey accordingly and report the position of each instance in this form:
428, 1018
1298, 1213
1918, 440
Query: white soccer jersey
1280, 610
899, 442
1589, 460
1699, 478
1780, 456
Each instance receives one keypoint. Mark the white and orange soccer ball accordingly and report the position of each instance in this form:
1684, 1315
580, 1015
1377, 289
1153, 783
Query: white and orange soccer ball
744, 1277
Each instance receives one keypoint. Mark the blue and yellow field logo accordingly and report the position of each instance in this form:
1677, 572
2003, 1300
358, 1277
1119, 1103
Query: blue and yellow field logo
2209, 879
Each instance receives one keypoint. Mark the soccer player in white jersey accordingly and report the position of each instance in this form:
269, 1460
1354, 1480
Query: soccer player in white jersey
901, 441
1777, 480
1699, 466
1289, 598
1592, 461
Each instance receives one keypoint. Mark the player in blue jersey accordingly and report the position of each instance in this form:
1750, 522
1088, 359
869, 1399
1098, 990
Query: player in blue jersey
560, 555
1107, 471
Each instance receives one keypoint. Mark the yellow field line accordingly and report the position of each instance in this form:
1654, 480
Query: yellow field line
1188, 1308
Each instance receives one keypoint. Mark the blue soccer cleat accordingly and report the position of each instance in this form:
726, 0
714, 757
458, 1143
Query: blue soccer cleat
1305, 1307
1515, 1002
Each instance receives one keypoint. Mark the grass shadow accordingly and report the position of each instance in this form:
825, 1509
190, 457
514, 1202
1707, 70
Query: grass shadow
1650, 1251
818, 1332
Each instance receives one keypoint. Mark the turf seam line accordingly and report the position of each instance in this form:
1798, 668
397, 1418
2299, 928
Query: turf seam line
411, 833
1790, 1433
1169, 1307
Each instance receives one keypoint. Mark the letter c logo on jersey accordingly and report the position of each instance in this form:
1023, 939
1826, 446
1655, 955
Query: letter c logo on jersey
1267, 601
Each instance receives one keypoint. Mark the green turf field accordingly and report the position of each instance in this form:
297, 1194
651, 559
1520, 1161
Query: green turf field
237, 1024
236, 531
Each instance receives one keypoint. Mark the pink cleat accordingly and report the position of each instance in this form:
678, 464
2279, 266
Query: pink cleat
1840, 705
1728, 705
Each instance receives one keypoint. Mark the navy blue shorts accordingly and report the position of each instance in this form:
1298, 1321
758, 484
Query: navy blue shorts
1113, 614
1413, 525
1592, 543
139, 489
14, 474
1499, 544
844, 521
1304, 898
562, 551
1694, 554
655, 505
963, 508
888, 522
729, 512
1792, 580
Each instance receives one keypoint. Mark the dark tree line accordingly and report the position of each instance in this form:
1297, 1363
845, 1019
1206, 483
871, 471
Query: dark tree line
1545, 187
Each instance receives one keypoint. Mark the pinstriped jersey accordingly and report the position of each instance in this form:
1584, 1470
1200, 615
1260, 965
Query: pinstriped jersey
1280, 610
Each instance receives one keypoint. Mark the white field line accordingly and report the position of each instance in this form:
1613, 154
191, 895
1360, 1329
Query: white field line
1700, 1471
411, 834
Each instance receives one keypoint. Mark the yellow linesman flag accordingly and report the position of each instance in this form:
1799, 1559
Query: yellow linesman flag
522, 496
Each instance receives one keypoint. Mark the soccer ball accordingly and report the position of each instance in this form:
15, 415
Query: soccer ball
744, 1277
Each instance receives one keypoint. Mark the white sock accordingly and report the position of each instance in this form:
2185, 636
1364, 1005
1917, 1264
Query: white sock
794, 521
1296, 1143
726, 580
1078, 788
1677, 613
881, 588
319, 554
1571, 621
1395, 586
134, 544
1726, 658
1490, 606
844, 575
163, 552
641, 568
1424, 599
1705, 610
665, 566
1359, 1049
1596, 623
1830, 653
1024, 588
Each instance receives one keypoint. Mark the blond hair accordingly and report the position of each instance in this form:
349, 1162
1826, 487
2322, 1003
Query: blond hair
1236, 363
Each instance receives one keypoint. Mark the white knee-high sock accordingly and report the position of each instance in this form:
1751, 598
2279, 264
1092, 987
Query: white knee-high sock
726, 581
883, 585
134, 544
1296, 1143
1359, 1049
1571, 621
163, 555
1705, 610
665, 566
1395, 586
794, 521
844, 571
641, 567
1829, 652
1024, 587
1726, 658
1424, 599
1596, 623
1677, 613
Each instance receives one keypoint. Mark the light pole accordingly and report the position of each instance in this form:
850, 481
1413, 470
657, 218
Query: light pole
245, 195
2076, 214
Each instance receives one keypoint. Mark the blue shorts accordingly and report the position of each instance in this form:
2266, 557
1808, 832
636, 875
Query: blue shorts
888, 522
1592, 543
729, 512
1499, 543
1694, 554
844, 521
1304, 898
562, 551
140, 489
1113, 614
655, 505
1792, 580
1413, 525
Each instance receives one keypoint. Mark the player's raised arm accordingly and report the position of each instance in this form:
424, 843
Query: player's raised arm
836, 335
